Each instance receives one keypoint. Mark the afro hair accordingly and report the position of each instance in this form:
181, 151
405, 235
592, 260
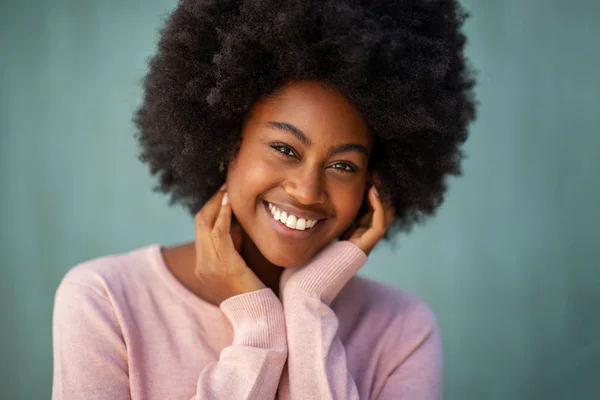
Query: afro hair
401, 63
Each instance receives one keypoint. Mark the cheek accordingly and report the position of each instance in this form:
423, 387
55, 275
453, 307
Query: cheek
347, 203
247, 177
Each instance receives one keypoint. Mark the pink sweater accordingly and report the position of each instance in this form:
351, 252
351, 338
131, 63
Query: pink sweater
125, 328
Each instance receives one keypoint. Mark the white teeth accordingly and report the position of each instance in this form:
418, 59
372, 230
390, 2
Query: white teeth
291, 221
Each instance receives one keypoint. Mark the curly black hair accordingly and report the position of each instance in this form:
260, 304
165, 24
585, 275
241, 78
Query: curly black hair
401, 63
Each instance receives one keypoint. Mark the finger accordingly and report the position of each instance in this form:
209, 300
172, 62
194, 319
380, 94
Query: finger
203, 242
375, 228
204, 221
388, 208
210, 210
378, 222
221, 232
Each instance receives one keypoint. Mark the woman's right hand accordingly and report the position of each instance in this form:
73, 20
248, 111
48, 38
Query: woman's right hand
219, 265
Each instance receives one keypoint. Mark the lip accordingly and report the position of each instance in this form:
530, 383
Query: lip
298, 213
288, 232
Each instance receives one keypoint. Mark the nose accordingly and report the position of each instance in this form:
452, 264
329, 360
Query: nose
307, 185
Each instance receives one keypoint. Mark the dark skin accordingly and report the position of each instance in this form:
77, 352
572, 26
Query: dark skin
305, 150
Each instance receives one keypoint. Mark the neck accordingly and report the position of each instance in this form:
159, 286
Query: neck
266, 271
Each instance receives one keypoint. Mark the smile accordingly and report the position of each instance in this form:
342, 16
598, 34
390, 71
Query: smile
289, 220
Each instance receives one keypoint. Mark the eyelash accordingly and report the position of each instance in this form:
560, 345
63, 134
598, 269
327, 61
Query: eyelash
286, 149
283, 150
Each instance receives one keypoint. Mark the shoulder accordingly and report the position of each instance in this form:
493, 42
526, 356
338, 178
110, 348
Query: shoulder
393, 324
390, 301
386, 308
110, 274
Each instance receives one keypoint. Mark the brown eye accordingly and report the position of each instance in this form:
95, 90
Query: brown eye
345, 166
284, 149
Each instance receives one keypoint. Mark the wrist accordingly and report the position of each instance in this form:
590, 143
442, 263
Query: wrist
259, 308
328, 271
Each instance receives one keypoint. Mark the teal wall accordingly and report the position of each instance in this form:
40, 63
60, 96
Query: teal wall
509, 264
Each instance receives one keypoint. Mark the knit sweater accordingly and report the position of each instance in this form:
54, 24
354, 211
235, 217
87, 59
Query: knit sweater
125, 328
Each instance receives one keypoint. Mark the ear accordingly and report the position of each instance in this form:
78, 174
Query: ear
372, 177
375, 179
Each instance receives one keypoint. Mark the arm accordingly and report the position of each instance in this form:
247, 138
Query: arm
317, 367
90, 357
251, 367
90, 354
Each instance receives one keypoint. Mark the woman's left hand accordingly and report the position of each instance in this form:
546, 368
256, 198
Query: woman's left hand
373, 225
324, 275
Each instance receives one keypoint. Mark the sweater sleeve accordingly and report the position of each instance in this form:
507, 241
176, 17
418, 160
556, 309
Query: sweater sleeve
90, 353
316, 367
90, 356
251, 367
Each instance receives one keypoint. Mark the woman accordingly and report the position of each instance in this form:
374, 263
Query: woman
323, 123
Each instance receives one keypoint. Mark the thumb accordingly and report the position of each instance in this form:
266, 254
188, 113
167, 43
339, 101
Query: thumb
236, 237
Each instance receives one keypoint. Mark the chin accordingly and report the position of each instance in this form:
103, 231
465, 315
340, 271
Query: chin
287, 260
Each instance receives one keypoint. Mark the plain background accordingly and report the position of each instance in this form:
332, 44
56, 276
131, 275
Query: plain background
509, 264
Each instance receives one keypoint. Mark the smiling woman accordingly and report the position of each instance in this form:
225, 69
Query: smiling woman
324, 123
303, 147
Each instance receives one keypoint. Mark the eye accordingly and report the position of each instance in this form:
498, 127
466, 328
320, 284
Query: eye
284, 150
345, 167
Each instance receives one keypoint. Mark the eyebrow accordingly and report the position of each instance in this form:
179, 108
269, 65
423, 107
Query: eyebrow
301, 136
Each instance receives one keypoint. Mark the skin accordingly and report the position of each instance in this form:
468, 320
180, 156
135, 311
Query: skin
305, 148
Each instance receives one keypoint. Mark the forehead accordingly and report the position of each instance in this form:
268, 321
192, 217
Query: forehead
321, 112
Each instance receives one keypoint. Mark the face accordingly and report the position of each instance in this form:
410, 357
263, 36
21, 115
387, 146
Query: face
304, 152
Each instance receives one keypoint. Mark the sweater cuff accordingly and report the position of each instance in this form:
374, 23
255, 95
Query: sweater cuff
257, 319
330, 270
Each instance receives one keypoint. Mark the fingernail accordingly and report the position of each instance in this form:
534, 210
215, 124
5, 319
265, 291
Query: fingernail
225, 199
375, 191
223, 187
